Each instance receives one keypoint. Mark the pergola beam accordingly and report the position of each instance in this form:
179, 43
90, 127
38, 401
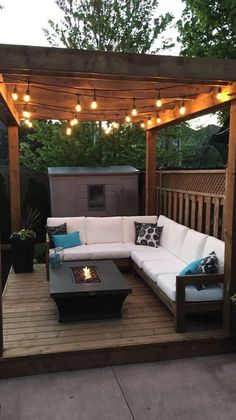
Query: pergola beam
44, 60
204, 103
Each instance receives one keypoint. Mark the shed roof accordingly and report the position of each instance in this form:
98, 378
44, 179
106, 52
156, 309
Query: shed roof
83, 170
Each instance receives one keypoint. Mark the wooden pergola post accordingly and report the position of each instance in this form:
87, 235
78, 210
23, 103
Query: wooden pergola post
14, 177
230, 219
150, 177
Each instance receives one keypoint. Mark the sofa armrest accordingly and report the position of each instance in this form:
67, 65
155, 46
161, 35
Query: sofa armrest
182, 281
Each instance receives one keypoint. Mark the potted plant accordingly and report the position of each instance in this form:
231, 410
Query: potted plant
23, 244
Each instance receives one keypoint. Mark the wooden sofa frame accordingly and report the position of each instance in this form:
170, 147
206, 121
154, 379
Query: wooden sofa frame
180, 308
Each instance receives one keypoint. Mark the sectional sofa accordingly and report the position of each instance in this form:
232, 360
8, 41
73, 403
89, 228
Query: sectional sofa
114, 238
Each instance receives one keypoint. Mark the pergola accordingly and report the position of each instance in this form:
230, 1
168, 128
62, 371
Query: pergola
58, 79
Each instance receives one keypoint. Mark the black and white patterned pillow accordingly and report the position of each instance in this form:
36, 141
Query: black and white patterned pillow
147, 234
55, 230
208, 265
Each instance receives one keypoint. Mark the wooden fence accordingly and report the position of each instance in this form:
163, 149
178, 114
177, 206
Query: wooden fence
194, 198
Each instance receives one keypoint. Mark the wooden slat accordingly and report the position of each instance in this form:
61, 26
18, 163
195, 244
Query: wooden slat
170, 196
175, 207
186, 210
193, 211
181, 207
216, 218
165, 196
207, 200
200, 213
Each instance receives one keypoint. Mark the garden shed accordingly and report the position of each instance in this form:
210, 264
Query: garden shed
85, 191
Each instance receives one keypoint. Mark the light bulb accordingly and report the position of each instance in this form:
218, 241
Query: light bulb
115, 124
158, 103
26, 113
27, 121
142, 125
74, 121
78, 106
127, 118
30, 124
149, 121
182, 109
68, 131
134, 110
14, 94
219, 94
94, 103
158, 119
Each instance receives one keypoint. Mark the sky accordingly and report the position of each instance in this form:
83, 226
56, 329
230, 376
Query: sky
22, 21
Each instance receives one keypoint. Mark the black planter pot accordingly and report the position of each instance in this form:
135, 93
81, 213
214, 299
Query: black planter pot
22, 254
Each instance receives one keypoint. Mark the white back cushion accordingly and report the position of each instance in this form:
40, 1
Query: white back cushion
128, 225
173, 235
102, 230
72, 223
193, 246
214, 244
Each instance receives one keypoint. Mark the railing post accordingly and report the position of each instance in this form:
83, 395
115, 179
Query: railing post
150, 181
14, 177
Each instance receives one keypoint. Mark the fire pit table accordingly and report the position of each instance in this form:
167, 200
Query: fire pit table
85, 290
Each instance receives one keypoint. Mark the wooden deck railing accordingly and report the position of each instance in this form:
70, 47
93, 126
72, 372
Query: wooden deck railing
194, 198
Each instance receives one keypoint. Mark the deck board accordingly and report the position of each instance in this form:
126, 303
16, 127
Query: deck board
32, 331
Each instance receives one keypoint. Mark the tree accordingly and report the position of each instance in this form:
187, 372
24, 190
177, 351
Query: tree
208, 28
109, 25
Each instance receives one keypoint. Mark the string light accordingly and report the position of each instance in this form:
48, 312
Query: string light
78, 105
127, 118
26, 113
142, 125
219, 94
27, 94
14, 95
158, 118
182, 108
108, 129
68, 131
115, 124
149, 121
159, 101
30, 124
134, 110
94, 103
74, 121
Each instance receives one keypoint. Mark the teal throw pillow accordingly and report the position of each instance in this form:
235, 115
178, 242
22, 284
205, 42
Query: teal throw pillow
67, 241
191, 268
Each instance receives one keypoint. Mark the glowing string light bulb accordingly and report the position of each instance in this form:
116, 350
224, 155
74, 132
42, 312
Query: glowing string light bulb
219, 94
182, 108
127, 118
27, 94
26, 113
142, 125
149, 121
134, 110
14, 94
68, 131
159, 101
78, 105
94, 102
158, 118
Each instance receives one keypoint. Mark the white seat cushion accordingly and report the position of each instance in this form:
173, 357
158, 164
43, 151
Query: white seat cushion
80, 252
113, 250
101, 230
129, 228
193, 246
141, 254
173, 235
214, 244
155, 268
167, 283
73, 224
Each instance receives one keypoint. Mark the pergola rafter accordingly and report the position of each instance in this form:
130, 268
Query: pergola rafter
56, 76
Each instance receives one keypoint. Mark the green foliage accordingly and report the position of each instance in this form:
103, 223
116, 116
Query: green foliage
48, 146
208, 28
23, 234
109, 25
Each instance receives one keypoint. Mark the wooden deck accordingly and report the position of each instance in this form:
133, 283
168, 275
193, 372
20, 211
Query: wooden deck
34, 341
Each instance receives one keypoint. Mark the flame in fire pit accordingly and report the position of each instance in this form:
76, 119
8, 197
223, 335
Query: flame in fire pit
87, 273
